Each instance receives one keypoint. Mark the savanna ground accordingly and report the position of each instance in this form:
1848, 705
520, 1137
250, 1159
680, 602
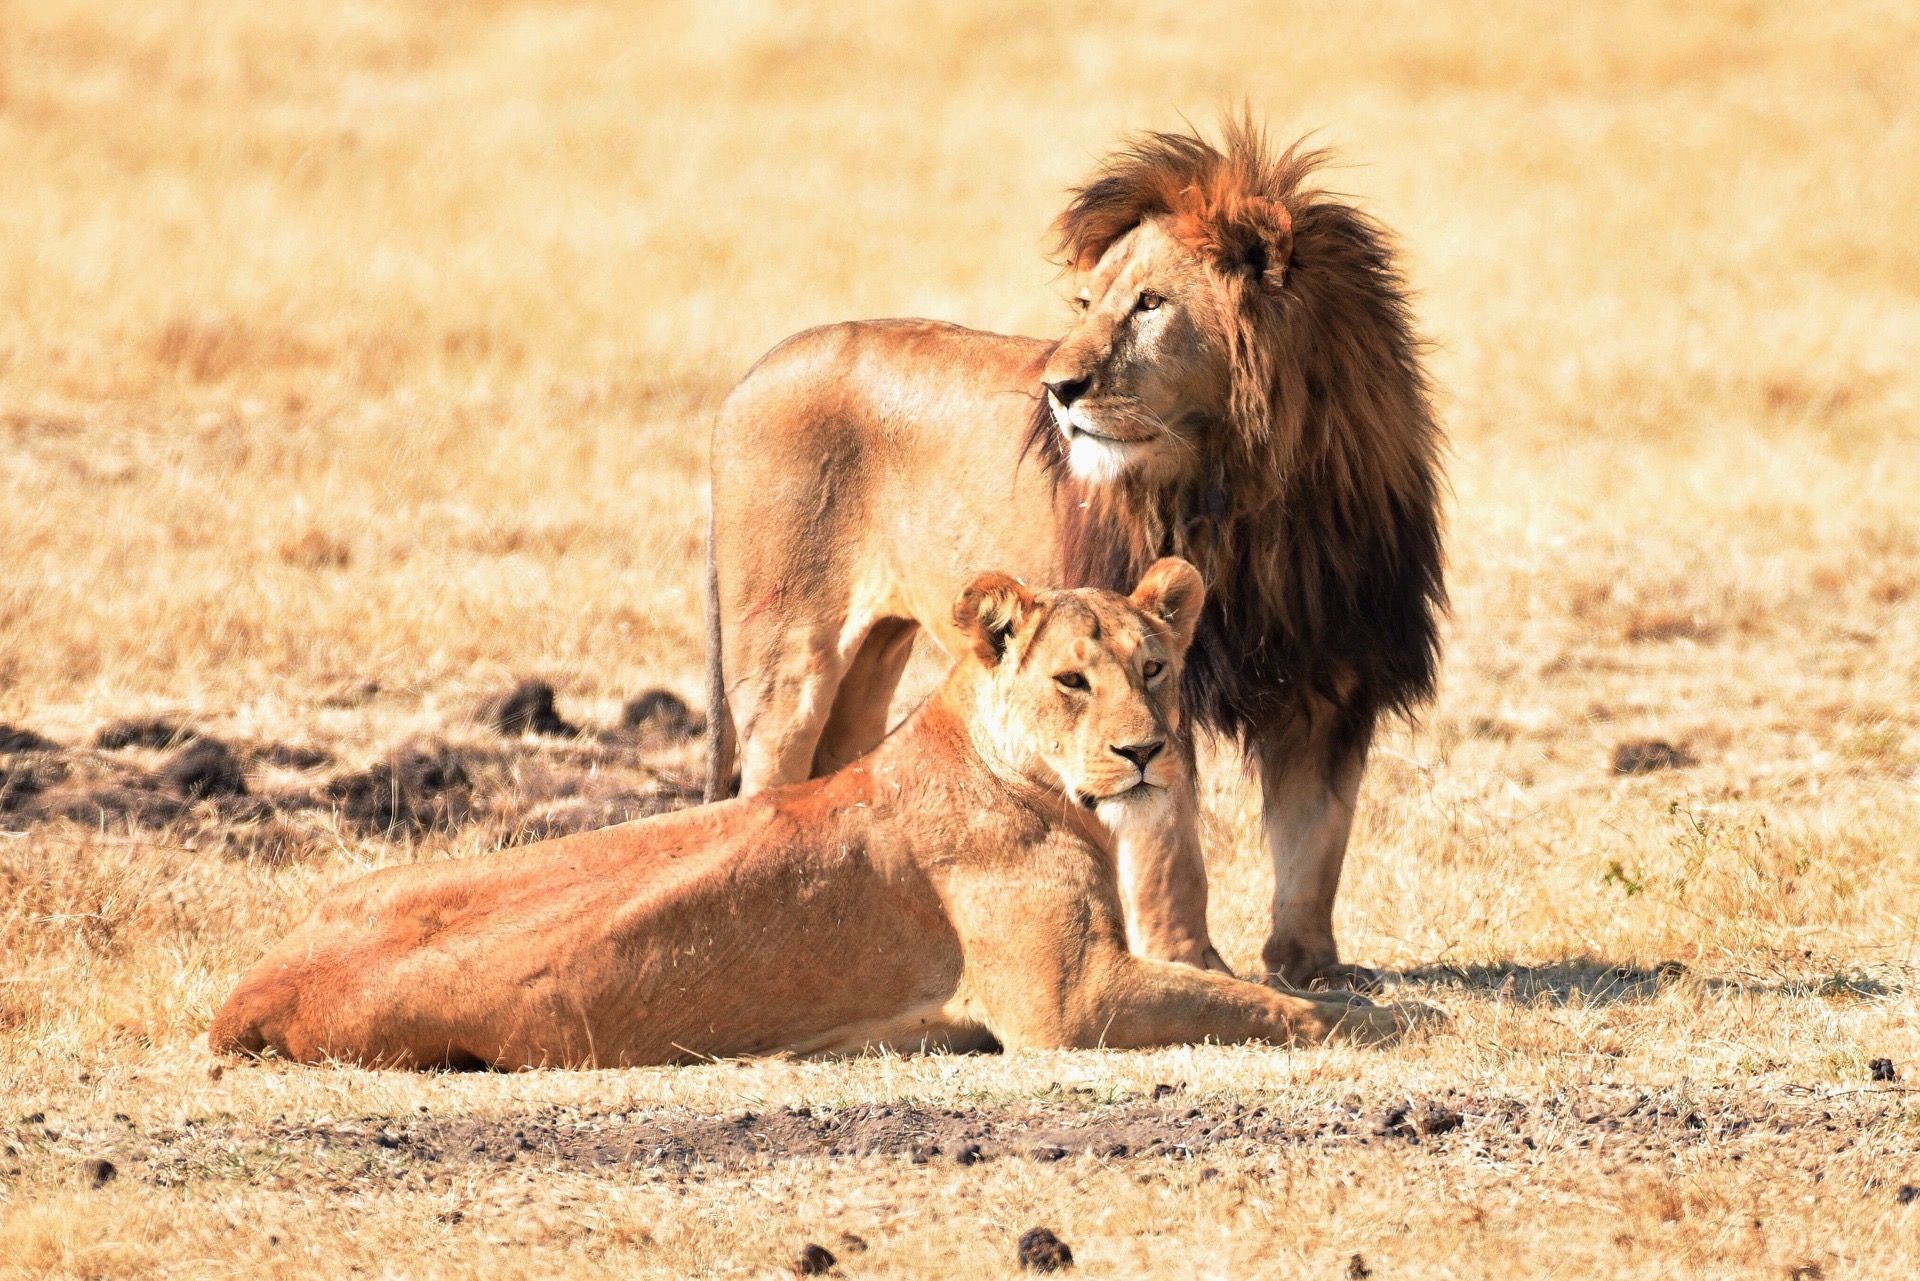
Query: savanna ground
355, 364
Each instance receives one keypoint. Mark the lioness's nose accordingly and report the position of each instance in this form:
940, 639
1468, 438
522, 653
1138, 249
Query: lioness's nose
1141, 753
1068, 390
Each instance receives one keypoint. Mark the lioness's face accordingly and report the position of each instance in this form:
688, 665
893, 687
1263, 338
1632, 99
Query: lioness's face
1142, 374
1082, 687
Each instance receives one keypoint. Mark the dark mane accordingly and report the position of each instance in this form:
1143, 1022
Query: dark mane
1316, 520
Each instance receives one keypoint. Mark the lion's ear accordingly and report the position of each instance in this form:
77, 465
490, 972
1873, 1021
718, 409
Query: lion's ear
1254, 236
988, 612
1172, 592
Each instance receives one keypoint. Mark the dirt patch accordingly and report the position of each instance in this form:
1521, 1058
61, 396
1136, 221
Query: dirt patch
151, 732
14, 739
19, 783
1042, 1251
204, 767
1620, 1125
1650, 756
417, 789
528, 709
289, 756
813, 1261
203, 790
85, 790
663, 713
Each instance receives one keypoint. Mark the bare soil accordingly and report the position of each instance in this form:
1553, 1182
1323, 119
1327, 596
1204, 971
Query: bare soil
1623, 1125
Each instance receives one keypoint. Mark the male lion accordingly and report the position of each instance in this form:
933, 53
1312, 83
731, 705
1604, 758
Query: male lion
1241, 388
958, 883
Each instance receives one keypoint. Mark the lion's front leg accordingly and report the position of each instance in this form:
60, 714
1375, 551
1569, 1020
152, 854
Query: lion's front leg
1163, 875
1310, 781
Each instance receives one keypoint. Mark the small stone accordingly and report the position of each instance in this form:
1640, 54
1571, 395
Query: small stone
1164, 1091
851, 1243
215, 1072
1438, 1120
1357, 1269
1907, 1194
1042, 1251
99, 1171
1048, 1152
921, 1153
813, 1261
969, 1155
1881, 1070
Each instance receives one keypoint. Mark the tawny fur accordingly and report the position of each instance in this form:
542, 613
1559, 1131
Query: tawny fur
1266, 418
955, 885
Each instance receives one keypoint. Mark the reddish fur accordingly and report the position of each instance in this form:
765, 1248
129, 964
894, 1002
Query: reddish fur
925, 894
1317, 526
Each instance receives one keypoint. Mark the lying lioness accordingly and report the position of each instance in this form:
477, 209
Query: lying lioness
956, 884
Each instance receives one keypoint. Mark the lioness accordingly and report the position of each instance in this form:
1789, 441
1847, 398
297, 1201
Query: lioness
1241, 387
957, 883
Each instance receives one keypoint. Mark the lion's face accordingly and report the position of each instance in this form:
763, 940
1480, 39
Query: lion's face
1143, 373
1081, 688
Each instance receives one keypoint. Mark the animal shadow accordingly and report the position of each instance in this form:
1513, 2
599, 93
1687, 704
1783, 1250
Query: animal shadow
1581, 979
1594, 982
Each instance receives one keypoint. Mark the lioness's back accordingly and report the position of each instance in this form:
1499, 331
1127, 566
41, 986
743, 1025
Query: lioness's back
739, 928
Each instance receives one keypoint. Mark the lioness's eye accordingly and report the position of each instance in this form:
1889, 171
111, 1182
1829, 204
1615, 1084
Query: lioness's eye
1071, 680
1082, 303
1150, 301
1153, 668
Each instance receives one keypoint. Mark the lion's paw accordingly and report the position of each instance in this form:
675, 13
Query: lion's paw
1333, 976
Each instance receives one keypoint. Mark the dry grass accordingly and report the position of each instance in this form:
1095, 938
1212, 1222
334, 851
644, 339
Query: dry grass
361, 342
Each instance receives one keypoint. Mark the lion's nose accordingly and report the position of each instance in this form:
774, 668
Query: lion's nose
1140, 753
1068, 390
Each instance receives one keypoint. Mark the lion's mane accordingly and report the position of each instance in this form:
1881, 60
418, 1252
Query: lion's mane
1316, 521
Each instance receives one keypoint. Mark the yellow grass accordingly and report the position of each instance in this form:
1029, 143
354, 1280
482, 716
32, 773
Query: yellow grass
354, 342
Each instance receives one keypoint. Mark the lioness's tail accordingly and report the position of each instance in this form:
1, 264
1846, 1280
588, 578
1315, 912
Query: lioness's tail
720, 740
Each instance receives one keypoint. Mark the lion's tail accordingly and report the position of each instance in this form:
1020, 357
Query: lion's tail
720, 735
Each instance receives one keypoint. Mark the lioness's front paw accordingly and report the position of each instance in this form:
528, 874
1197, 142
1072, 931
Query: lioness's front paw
1381, 1024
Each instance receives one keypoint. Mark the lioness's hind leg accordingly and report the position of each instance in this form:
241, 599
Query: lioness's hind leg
859, 718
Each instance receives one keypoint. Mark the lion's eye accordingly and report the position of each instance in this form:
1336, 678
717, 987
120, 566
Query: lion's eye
1082, 303
1153, 668
1150, 301
1070, 680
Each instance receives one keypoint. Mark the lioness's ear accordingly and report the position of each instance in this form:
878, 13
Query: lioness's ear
1172, 592
988, 611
